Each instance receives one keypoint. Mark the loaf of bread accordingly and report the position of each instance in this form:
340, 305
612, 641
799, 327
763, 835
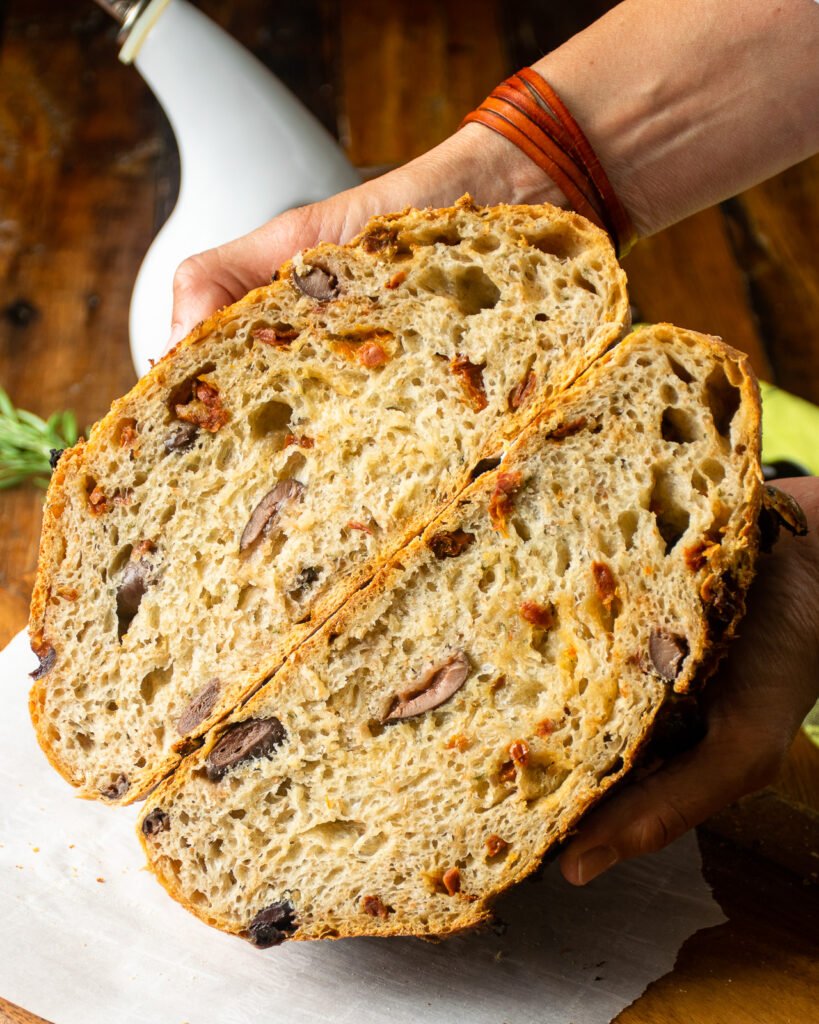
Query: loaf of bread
280, 455
454, 719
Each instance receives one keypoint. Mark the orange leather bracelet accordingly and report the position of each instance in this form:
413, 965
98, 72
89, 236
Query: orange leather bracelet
529, 113
509, 122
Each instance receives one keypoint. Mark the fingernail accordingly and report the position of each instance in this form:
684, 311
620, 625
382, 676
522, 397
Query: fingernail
594, 862
177, 333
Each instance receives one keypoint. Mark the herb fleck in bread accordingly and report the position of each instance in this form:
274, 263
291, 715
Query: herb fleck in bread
280, 455
425, 748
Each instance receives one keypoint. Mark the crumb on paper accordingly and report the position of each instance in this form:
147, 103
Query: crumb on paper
100, 880
35, 849
70, 846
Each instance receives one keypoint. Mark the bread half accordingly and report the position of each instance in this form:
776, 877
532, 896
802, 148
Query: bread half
270, 464
452, 722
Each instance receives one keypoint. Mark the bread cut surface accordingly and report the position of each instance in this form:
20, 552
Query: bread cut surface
269, 465
426, 747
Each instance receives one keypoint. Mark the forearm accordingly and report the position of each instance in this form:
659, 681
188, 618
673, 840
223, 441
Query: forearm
687, 103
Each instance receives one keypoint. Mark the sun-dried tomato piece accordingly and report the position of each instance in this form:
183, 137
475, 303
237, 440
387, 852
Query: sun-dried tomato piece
501, 503
523, 392
700, 553
129, 438
450, 543
367, 346
604, 583
452, 881
396, 279
457, 742
205, 408
567, 429
495, 845
302, 440
519, 752
97, 502
371, 355
471, 375
379, 240
279, 336
375, 907
537, 614
355, 525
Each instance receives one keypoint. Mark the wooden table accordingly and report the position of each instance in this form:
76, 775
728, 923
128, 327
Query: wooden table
88, 173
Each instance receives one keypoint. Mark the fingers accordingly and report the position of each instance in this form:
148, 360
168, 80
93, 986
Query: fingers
650, 813
201, 284
220, 276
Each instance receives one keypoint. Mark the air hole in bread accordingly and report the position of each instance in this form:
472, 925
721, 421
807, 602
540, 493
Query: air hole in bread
723, 400
487, 579
269, 418
520, 528
562, 244
154, 681
434, 236
613, 769
225, 455
670, 514
471, 290
679, 370
539, 639
699, 483
484, 466
627, 521
120, 558
583, 282
714, 470
485, 243
562, 557
679, 426
247, 597
669, 394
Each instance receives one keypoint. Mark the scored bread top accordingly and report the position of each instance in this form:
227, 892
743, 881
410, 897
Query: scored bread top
268, 466
428, 745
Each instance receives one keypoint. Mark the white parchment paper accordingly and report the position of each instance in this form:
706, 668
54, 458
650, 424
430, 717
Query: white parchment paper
88, 937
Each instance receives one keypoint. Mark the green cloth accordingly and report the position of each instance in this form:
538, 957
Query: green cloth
790, 428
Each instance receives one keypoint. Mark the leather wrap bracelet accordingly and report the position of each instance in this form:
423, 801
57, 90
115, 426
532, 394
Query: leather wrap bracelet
527, 111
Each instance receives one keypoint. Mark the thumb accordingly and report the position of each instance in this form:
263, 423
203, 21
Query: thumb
650, 813
202, 284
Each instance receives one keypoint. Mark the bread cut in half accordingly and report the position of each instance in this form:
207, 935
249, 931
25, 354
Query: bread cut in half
451, 723
274, 460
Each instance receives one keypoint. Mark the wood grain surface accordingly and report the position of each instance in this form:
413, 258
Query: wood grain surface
88, 173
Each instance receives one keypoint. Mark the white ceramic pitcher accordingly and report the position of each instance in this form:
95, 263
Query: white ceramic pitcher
248, 148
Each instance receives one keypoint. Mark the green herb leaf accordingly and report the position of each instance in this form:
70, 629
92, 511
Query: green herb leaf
26, 442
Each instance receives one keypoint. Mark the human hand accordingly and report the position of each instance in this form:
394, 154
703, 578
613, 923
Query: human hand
754, 707
473, 160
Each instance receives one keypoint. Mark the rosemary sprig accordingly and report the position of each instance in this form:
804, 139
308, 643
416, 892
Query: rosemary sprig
26, 443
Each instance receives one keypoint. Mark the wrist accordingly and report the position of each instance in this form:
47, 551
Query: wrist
478, 161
